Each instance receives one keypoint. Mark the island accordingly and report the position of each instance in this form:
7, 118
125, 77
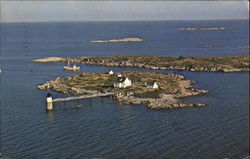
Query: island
207, 46
202, 28
200, 64
246, 47
119, 40
157, 90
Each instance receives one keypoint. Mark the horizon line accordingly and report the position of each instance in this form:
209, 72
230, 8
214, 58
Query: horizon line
124, 20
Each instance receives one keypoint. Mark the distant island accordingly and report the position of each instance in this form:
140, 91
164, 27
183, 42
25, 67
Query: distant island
158, 90
200, 64
202, 28
246, 46
207, 46
119, 40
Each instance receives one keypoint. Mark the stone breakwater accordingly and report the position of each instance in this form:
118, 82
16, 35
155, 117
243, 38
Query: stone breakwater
165, 101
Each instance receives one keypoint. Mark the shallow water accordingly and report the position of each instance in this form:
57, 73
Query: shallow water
105, 128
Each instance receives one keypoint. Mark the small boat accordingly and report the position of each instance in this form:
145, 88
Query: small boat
71, 68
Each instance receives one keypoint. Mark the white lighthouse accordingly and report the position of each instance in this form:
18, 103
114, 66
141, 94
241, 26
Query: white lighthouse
49, 102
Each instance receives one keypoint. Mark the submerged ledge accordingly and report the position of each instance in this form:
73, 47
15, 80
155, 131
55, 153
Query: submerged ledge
199, 64
166, 96
119, 40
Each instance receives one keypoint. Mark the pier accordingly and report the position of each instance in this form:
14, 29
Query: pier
81, 97
50, 101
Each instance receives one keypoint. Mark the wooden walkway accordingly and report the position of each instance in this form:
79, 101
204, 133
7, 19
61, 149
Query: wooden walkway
81, 97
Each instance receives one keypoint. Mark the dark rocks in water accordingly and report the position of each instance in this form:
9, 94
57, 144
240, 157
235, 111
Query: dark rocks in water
78, 106
174, 106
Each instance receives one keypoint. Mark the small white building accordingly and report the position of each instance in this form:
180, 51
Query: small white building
153, 85
123, 82
111, 72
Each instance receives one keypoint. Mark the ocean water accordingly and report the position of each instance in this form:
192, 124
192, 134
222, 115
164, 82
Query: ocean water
108, 129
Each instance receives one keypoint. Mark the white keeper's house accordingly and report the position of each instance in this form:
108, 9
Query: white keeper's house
123, 82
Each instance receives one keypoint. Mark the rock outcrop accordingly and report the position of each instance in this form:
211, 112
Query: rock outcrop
50, 59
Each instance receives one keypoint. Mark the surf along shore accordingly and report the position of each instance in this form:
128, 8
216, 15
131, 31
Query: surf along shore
171, 88
199, 64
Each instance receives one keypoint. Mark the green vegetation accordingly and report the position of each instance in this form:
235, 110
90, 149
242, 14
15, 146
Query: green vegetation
91, 81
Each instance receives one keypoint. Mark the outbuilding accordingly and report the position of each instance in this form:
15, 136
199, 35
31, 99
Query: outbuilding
153, 85
111, 72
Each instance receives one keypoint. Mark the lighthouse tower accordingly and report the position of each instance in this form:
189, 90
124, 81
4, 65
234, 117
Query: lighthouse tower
49, 102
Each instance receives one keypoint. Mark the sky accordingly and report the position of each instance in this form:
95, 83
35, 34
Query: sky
46, 11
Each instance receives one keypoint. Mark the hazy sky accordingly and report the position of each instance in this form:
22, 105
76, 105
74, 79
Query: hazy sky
35, 11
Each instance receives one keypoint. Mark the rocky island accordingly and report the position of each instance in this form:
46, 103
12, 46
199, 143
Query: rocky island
207, 46
170, 88
246, 46
119, 40
202, 28
202, 64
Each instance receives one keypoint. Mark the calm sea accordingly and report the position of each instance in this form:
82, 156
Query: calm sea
105, 128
